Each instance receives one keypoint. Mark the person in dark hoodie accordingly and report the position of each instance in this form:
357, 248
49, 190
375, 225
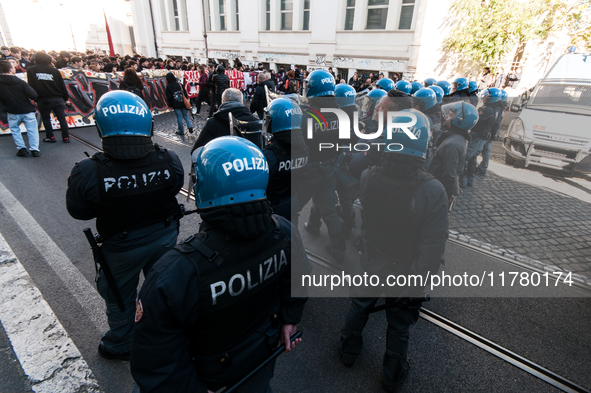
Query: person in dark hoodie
220, 82
16, 96
199, 326
47, 81
449, 158
259, 100
219, 124
64, 59
174, 97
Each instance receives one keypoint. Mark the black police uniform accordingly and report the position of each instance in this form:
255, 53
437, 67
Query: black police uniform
286, 164
499, 108
320, 180
211, 309
134, 202
480, 133
405, 220
460, 95
436, 122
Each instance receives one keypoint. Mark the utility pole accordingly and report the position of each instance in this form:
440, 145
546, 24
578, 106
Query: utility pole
204, 29
153, 28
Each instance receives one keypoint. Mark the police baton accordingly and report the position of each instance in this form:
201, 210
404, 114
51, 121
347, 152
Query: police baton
274, 356
99, 260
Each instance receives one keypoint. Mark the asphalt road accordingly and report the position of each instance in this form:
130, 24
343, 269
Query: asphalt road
551, 331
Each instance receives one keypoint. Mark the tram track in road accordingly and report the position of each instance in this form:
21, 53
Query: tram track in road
473, 338
465, 334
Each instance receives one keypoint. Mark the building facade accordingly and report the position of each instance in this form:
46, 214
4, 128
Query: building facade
367, 35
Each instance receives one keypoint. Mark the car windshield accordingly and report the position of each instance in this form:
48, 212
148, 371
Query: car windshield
563, 96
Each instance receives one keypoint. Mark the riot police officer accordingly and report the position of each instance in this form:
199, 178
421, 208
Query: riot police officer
449, 159
320, 180
430, 82
131, 189
497, 101
462, 89
386, 84
416, 86
446, 87
287, 154
217, 305
473, 94
346, 185
480, 134
404, 87
405, 228
432, 109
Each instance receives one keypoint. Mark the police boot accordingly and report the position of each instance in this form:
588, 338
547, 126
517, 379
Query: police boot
348, 223
313, 224
337, 247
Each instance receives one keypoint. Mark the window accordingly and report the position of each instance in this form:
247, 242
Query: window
237, 18
173, 15
350, 14
223, 15
268, 15
377, 13
208, 17
286, 14
306, 15
406, 12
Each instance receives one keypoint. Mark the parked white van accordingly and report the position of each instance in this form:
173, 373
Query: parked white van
554, 128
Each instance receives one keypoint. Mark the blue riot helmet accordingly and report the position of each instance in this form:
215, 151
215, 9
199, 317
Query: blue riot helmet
461, 84
404, 87
430, 82
416, 86
282, 114
386, 84
229, 170
428, 97
493, 94
319, 83
460, 114
446, 86
376, 95
438, 92
121, 113
345, 95
473, 85
401, 143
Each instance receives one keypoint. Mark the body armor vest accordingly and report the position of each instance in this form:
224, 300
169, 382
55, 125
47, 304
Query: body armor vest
280, 178
238, 286
135, 193
390, 222
325, 130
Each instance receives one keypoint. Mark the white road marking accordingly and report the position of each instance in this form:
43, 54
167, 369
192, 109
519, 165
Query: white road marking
47, 355
84, 293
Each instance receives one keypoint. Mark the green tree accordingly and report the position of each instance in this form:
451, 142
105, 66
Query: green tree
485, 31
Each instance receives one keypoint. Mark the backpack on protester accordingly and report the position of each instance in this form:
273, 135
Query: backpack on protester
291, 86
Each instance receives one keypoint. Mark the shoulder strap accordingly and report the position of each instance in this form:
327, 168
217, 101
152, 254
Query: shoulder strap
192, 244
100, 157
161, 151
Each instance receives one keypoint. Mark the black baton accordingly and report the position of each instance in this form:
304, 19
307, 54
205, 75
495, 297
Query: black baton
274, 356
100, 260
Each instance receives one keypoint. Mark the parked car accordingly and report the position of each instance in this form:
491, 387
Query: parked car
553, 129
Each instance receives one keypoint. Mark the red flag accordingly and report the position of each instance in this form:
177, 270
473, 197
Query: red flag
111, 50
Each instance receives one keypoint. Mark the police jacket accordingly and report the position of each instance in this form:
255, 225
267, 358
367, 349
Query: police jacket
473, 96
325, 129
487, 116
404, 217
461, 95
449, 159
219, 124
126, 195
205, 317
499, 108
286, 163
